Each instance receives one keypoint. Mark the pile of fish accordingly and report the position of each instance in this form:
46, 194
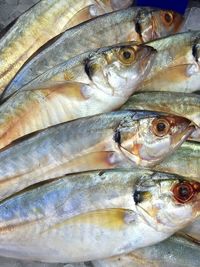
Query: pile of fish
99, 136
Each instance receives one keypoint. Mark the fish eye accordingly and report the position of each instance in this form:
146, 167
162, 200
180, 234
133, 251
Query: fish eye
183, 192
126, 55
160, 127
167, 18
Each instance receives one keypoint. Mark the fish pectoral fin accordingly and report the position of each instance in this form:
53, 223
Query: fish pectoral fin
114, 219
71, 90
82, 15
99, 160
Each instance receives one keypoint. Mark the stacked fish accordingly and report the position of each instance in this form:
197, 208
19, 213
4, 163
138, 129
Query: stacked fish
94, 118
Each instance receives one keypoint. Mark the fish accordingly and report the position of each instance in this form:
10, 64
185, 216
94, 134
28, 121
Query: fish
132, 24
180, 104
111, 140
105, 80
116, 212
176, 251
37, 26
176, 67
185, 161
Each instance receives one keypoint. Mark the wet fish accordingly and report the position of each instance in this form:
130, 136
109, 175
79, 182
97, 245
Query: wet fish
37, 26
180, 104
132, 24
184, 161
174, 252
108, 77
116, 212
176, 67
107, 141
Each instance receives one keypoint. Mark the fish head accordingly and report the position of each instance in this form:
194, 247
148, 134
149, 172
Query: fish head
118, 71
167, 202
149, 140
163, 23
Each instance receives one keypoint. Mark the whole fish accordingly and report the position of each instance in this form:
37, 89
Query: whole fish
176, 67
107, 141
36, 26
176, 251
180, 104
96, 215
81, 68
185, 161
109, 76
132, 24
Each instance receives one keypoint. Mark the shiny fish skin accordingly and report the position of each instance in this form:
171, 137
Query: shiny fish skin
34, 28
105, 86
180, 104
68, 211
176, 251
111, 140
176, 67
117, 27
83, 67
185, 161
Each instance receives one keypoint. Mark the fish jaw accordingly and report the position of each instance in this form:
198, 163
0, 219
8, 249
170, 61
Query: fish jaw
146, 147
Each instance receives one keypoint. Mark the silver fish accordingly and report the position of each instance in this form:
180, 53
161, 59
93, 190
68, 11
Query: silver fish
108, 77
96, 215
176, 67
132, 24
107, 141
180, 104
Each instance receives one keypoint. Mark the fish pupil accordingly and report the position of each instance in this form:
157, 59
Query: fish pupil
126, 54
161, 127
183, 192
168, 18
